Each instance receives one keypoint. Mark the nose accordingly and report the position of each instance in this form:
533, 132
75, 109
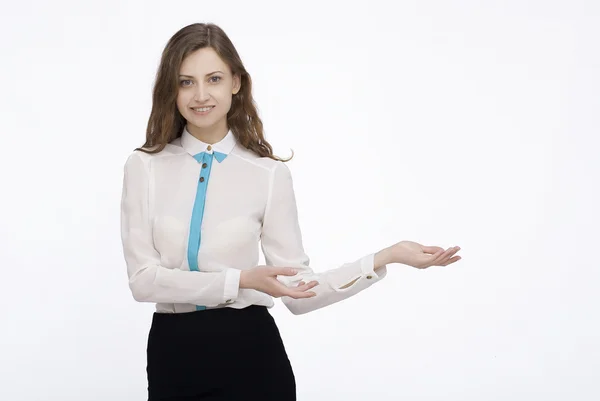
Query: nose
201, 94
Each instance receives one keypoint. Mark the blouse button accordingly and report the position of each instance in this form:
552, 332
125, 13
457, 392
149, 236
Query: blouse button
369, 277
201, 179
209, 147
204, 165
229, 301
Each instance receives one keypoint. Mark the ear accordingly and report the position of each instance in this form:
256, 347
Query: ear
237, 84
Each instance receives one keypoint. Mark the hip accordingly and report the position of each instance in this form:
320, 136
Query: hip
218, 352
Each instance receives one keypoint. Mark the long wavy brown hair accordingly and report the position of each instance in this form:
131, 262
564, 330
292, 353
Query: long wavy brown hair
166, 122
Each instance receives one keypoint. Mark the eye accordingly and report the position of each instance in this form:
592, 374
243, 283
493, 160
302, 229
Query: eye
185, 82
216, 76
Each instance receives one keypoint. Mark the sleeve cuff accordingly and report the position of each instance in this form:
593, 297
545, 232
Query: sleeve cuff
367, 273
367, 266
232, 285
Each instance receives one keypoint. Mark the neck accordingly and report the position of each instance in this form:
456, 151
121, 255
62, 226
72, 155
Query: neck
210, 135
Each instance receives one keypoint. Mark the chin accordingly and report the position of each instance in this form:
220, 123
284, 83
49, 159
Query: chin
199, 121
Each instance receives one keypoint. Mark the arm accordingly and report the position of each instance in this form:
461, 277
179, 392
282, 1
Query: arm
281, 242
380, 260
148, 280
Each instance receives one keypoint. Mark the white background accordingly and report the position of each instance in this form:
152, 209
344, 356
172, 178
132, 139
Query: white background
470, 123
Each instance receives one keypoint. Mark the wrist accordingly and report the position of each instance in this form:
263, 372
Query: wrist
243, 279
382, 258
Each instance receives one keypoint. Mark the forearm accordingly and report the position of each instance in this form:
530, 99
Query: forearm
381, 259
338, 284
154, 283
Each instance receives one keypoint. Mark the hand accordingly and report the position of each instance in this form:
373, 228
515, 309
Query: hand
420, 256
264, 279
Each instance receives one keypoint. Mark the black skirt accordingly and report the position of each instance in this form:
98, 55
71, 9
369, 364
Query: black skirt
218, 354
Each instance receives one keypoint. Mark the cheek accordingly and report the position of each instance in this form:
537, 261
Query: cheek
183, 100
225, 99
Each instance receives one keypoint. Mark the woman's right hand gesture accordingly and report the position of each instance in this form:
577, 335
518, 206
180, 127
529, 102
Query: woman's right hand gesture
264, 279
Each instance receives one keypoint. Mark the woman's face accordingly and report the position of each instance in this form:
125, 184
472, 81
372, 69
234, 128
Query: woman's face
205, 81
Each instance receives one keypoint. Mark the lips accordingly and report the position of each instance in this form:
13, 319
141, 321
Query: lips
202, 108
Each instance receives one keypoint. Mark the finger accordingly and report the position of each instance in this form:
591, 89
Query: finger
445, 256
282, 271
302, 287
293, 292
451, 252
301, 292
432, 249
428, 260
298, 294
452, 260
433, 259
301, 283
306, 287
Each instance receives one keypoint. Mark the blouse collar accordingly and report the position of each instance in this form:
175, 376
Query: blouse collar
193, 145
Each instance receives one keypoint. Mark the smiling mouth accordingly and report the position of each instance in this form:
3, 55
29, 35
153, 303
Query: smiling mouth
202, 109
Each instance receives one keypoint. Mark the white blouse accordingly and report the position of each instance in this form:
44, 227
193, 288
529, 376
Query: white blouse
190, 225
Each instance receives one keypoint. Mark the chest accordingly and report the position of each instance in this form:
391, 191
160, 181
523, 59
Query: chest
231, 205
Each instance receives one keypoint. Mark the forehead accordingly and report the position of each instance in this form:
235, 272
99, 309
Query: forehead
202, 61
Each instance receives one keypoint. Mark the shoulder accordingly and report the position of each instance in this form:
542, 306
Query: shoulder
265, 163
142, 157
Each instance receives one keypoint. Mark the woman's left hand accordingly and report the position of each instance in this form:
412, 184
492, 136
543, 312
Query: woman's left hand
420, 256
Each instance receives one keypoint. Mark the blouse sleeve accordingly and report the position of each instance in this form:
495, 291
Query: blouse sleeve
148, 280
281, 242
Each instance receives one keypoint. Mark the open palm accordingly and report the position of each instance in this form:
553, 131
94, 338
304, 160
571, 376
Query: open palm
421, 256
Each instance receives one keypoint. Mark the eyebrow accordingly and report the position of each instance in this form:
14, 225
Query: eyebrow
190, 76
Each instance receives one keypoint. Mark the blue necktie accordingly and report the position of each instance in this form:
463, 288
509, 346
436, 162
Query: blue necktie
205, 159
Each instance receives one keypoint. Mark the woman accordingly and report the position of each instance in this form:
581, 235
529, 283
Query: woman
198, 197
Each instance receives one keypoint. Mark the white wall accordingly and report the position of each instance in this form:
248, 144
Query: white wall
471, 123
